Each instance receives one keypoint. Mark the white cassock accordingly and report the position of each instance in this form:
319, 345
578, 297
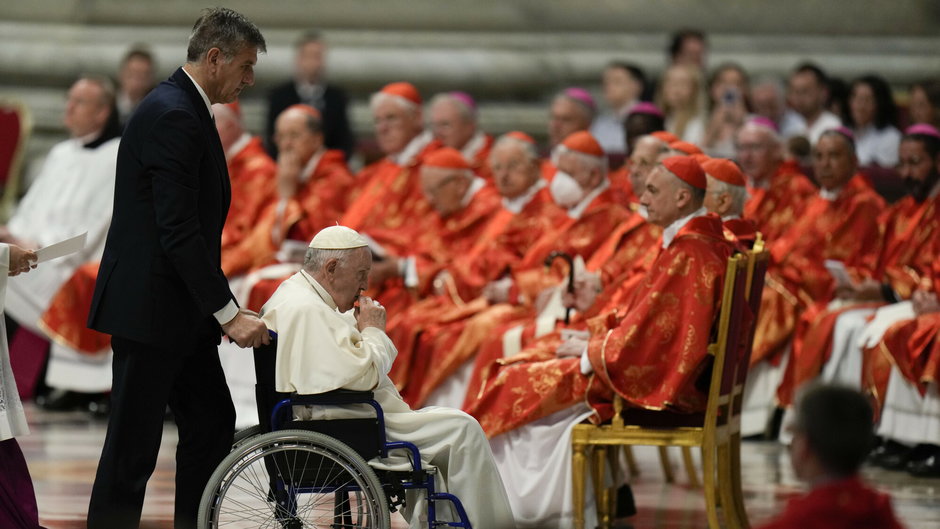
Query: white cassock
73, 193
320, 349
12, 418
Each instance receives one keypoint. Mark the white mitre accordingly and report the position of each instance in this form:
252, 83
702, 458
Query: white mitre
338, 238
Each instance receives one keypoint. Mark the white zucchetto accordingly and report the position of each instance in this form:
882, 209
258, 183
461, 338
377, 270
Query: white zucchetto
338, 238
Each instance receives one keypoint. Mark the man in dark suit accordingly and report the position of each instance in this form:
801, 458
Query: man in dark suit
160, 292
310, 88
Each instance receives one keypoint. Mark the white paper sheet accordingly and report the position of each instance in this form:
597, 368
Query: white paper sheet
61, 248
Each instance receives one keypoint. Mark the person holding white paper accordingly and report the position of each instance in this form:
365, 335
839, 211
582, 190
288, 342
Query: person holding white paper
17, 500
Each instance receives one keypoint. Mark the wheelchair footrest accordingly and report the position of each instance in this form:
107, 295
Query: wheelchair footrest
461, 513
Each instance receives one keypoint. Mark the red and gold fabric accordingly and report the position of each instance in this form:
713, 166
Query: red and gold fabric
776, 208
390, 206
907, 255
442, 319
845, 229
65, 319
253, 176
650, 351
318, 204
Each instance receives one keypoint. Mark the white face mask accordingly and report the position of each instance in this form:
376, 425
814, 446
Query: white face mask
566, 191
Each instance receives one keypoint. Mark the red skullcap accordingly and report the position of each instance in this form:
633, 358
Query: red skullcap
662, 135
584, 143
687, 170
403, 90
685, 147
724, 170
446, 158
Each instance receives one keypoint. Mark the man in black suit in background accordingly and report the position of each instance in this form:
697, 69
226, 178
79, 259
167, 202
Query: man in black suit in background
160, 292
309, 87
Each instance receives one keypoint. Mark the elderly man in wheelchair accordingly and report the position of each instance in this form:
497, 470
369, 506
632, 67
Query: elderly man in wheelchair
322, 459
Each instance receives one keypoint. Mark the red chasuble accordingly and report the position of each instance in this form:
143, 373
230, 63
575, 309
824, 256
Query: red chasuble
318, 203
650, 351
906, 257
781, 204
845, 229
253, 176
840, 504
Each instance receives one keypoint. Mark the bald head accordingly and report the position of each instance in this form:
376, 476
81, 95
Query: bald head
298, 133
834, 160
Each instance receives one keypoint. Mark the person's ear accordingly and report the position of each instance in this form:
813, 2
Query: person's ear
683, 196
331, 266
214, 57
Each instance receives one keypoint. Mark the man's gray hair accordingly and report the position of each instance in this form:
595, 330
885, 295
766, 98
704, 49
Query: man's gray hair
225, 29
316, 258
527, 147
467, 113
738, 194
380, 97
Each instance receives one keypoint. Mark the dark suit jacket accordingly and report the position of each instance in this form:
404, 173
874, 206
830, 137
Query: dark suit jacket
332, 106
160, 278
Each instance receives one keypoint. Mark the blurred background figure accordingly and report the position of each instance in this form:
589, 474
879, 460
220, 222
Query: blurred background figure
924, 105
681, 96
873, 119
689, 47
728, 91
808, 95
136, 78
310, 87
624, 85
769, 100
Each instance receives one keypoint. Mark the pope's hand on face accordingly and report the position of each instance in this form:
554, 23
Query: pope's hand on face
370, 313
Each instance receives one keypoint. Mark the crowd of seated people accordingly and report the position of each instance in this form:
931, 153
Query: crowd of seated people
645, 200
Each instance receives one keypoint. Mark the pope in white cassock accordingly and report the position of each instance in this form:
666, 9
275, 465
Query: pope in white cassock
324, 344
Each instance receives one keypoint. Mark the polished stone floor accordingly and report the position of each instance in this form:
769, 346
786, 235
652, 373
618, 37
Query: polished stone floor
63, 451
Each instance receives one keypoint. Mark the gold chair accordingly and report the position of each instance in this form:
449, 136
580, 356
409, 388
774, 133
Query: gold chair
714, 431
15, 127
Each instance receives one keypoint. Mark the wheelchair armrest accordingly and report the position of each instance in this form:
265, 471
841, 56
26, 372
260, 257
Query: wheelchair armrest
335, 397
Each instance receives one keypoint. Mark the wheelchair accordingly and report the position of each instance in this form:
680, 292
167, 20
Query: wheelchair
290, 474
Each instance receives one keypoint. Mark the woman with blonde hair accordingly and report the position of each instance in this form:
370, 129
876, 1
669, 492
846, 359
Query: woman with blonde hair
681, 96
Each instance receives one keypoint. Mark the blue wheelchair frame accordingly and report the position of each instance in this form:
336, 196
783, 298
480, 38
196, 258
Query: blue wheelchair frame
282, 415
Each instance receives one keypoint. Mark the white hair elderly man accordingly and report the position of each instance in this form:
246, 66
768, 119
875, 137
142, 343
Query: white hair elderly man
324, 343
725, 196
452, 117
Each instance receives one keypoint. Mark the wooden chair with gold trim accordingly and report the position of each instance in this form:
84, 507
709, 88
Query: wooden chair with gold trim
711, 430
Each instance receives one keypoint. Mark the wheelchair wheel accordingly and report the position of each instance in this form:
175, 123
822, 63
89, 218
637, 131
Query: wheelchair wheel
244, 434
294, 479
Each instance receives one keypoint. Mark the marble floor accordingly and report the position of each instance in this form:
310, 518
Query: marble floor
63, 450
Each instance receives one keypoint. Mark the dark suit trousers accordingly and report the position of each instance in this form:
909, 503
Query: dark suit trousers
187, 377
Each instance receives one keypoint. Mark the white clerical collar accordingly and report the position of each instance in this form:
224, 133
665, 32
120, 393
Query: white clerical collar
88, 138
670, 232
311, 166
318, 288
515, 205
578, 210
473, 146
830, 194
415, 146
475, 186
202, 93
237, 146
730, 217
